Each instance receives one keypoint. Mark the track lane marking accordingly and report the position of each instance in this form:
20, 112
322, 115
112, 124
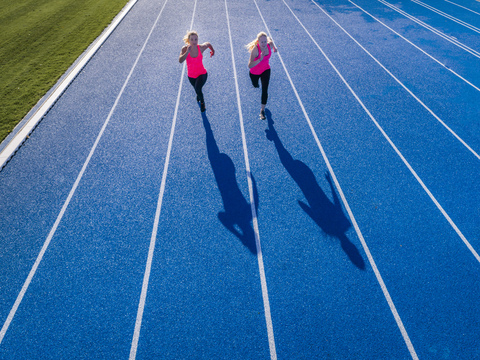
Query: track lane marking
411, 43
448, 16
432, 29
153, 239
263, 280
463, 7
419, 180
468, 147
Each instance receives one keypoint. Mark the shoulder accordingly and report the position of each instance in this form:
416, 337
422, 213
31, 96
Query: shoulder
205, 46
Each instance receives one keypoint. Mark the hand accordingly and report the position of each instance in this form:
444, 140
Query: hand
262, 55
212, 52
272, 45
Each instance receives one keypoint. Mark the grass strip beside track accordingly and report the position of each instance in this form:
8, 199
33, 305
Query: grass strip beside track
39, 40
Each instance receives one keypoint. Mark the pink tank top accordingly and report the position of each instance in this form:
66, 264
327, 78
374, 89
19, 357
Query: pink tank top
195, 66
262, 65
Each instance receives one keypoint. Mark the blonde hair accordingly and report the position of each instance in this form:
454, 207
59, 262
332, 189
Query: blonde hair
254, 43
186, 38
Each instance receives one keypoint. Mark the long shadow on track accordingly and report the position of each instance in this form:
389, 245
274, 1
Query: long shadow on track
237, 216
327, 215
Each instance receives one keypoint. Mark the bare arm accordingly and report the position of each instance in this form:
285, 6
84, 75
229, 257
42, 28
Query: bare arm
272, 45
205, 46
183, 54
253, 54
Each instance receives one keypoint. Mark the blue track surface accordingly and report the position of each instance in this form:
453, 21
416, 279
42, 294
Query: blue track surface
345, 226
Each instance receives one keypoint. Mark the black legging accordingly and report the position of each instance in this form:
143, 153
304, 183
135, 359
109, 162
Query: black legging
197, 84
265, 78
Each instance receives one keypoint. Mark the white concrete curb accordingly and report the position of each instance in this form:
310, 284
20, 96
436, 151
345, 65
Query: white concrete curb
27, 126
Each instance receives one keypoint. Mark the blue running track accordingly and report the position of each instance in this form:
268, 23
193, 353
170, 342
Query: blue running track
344, 226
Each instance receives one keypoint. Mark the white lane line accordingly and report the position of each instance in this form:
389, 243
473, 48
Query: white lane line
432, 29
403, 85
448, 16
463, 7
263, 279
153, 239
7, 152
437, 204
67, 202
344, 199
430, 56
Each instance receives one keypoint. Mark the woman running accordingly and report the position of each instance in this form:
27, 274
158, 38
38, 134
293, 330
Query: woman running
197, 74
260, 53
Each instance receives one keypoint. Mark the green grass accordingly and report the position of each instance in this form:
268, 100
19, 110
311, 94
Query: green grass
39, 40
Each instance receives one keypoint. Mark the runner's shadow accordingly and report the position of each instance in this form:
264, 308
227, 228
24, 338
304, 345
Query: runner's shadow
327, 215
237, 216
